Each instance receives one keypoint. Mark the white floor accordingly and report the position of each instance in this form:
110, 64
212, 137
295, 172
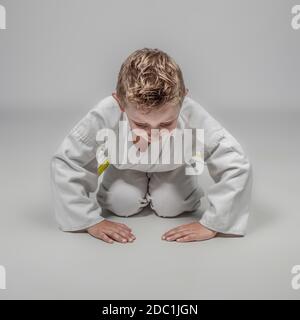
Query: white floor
43, 262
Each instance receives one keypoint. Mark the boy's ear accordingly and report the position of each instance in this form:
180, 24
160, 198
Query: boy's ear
114, 94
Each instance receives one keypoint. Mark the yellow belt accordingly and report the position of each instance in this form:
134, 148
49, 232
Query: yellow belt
103, 166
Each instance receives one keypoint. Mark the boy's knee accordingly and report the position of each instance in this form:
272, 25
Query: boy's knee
166, 204
125, 200
165, 211
166, 201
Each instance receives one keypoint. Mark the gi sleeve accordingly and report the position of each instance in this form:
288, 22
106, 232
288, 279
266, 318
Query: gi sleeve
74, 177
229, 197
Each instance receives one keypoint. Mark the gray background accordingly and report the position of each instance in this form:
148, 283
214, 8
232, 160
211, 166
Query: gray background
240, 60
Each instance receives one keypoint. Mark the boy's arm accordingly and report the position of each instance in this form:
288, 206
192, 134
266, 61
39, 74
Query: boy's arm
229, 198
74, 176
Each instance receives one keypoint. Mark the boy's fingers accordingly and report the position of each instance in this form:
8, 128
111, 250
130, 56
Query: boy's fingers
177, 235
119, 228
173, 231
195, 237
120, 232
124, 226
105, 238
179, 228
188, 238
128, 235
114, 235
101, 236
123, 231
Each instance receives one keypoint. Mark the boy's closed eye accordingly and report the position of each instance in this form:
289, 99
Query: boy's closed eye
162, 125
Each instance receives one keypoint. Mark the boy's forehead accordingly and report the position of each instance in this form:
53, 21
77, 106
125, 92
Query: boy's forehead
165, 113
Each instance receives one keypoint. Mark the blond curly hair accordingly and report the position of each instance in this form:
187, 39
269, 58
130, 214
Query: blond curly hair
150, 78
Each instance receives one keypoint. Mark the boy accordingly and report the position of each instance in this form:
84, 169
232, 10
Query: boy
150, 97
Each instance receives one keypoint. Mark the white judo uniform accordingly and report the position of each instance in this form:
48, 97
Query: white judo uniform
125, 189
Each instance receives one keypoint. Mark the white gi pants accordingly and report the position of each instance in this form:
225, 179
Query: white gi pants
126, 192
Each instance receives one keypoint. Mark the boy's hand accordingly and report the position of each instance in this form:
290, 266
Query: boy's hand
194, 231
109, 231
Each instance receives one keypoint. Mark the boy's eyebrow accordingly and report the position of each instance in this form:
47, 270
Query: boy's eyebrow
168, 121
144, 123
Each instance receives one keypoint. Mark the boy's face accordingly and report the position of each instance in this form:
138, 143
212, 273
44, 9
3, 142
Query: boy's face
165, 118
